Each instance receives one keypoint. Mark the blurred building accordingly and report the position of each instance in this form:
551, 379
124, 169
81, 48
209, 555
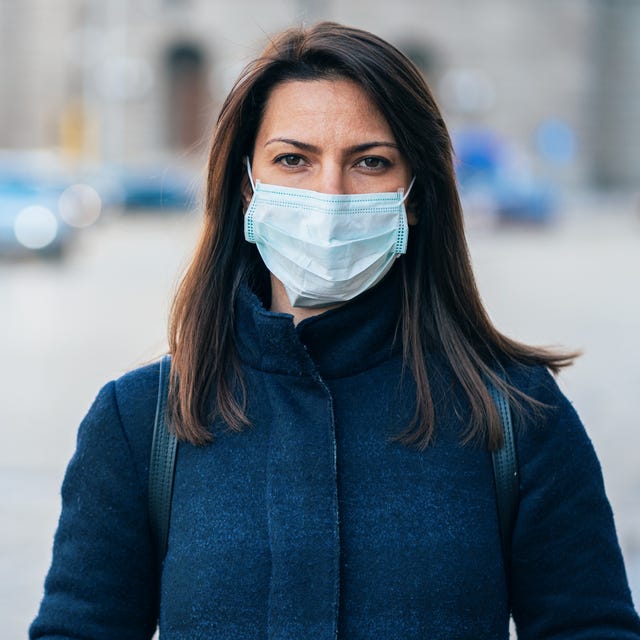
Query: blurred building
121, 81
615, 106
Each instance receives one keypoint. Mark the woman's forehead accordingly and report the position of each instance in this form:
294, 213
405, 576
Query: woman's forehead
329, 110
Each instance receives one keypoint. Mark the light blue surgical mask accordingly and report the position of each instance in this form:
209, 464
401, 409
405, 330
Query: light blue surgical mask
324, 247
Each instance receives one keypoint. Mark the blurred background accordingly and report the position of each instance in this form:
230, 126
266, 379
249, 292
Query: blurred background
106, 109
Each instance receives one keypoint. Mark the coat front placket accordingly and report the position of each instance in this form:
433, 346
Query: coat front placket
302, 508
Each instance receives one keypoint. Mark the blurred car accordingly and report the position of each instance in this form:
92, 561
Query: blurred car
41, 205
29, 222
497, 181
145, 188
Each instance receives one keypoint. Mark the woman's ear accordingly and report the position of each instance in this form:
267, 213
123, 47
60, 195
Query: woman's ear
245, 189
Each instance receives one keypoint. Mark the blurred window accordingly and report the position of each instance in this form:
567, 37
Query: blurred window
187, 99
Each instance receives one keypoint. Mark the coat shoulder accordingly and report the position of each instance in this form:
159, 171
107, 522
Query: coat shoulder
541, 386
137, 390
135, 395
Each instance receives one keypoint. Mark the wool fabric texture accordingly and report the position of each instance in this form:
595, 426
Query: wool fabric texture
313, 524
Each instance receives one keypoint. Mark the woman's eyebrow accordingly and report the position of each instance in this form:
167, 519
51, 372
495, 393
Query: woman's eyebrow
365, 146
296, 143
353, 149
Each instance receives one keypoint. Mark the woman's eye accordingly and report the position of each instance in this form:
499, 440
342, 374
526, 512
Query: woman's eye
290, 160
373, 162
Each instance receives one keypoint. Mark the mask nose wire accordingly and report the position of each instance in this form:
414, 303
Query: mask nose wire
406, 195
253, 185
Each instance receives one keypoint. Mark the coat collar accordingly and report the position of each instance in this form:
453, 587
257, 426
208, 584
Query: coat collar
340, 342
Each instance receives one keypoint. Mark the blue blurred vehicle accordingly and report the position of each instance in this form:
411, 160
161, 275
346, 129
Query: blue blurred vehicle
160, 189
30, 220
153, 188
495, 177
41, 205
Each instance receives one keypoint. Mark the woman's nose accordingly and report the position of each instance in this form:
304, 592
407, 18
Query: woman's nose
331, 179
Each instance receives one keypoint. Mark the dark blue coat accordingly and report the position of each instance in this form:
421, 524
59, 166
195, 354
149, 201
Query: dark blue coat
311, 524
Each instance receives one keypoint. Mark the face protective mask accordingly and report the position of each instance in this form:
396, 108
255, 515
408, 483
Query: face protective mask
326, 248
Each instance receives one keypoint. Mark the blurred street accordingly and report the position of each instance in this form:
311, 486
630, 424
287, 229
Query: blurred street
68, 327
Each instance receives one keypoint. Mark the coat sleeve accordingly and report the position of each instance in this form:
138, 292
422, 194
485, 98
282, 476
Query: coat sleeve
567, 574
102, 582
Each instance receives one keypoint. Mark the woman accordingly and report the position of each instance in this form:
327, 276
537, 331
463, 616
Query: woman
330, 363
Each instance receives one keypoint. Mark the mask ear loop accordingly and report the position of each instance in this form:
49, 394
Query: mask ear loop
253, 186
406, 195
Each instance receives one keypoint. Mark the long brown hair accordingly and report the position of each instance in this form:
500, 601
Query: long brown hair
441, 307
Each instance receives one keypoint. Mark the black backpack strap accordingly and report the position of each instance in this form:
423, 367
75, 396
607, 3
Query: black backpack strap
161, 466
505, 473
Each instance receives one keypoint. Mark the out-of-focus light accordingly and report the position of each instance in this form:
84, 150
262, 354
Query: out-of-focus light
467, 91
35, 227
80, 205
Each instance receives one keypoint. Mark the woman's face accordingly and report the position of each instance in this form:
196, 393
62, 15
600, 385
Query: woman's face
327, 136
